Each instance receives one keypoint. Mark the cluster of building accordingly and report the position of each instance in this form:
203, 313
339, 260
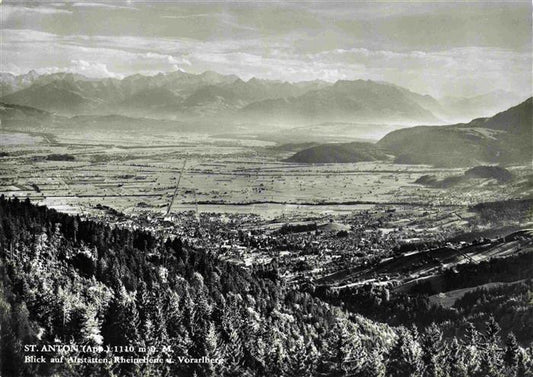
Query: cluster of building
303, 249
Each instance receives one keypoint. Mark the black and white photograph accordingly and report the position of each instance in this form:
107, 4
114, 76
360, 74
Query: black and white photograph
266, 188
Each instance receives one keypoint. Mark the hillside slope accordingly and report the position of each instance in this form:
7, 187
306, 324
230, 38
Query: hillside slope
471, 176
17, 115
339, 153
504, 138
100, 286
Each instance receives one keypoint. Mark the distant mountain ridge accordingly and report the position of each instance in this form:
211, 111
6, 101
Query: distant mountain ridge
479, 105
218, 98
347, 100
18, 117
10, 83
184, 95
171, 93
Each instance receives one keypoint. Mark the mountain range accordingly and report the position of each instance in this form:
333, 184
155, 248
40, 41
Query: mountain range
163, 95
505, 138
213, 103
347, 100
185, 96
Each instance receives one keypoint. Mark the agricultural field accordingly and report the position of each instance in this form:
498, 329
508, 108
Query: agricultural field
136, 173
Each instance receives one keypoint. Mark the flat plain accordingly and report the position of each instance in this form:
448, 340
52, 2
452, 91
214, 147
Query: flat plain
133, 172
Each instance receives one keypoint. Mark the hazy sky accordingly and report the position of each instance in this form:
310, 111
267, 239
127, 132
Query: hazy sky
439, 48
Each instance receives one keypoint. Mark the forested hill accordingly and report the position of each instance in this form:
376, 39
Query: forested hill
84, 281
339, 153
504, 138
65, 280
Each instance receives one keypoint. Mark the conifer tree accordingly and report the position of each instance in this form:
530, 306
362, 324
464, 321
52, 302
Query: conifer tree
233, 354
492, 330
525, 363
491, 356
472, 348
405, 357
454, 360
512, 355
90, 328
433, 349
211, 349
276, 358
374, 365
300, 363
343, 349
